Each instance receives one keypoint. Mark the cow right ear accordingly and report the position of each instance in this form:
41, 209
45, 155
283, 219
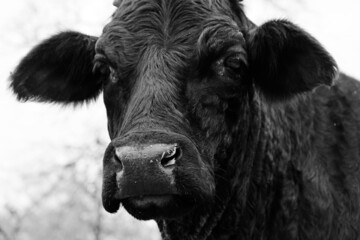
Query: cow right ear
60, 69
286, 61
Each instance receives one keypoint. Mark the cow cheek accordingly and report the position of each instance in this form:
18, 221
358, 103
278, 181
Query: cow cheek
195, 179
115, 102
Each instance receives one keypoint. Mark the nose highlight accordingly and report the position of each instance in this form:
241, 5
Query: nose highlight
165, 154
169, 157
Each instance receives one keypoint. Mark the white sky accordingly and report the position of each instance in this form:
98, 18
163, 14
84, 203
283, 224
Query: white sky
32, 135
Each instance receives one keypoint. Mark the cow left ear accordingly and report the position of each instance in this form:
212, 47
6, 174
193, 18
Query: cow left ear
59, 69
285, 60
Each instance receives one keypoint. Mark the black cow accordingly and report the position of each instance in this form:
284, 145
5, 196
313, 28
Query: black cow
219, 129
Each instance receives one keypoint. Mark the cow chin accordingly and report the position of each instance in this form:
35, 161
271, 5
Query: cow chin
158, 207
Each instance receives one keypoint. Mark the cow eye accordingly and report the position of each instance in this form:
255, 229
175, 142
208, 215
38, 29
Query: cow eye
234, 61
102, 68
106, 71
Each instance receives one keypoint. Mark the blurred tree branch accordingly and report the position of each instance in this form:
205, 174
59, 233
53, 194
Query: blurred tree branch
3, 234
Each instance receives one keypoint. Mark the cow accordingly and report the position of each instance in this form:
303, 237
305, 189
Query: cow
220, 129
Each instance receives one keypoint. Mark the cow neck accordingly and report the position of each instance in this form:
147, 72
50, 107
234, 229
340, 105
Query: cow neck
221, 220
244, 168
273, 184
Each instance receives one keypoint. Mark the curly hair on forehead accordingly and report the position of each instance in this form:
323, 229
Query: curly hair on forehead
117, 3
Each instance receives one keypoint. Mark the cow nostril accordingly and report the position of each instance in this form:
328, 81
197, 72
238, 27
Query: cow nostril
118, 161
170, 157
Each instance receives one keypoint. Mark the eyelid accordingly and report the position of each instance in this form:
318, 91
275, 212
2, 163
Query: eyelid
100, 58
231, 47
238, 51
237, 48
216, 56
223, 48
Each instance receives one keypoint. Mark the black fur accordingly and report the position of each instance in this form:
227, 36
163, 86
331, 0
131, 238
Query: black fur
258, 170
58, 70
285, 60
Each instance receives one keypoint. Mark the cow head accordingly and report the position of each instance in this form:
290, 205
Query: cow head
178, 78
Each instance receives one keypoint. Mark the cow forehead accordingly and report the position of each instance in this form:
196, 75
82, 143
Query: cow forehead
167, 16
163, 22
168, 26
199, 4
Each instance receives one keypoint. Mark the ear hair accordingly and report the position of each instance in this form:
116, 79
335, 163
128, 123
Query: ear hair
285, 60
58, 70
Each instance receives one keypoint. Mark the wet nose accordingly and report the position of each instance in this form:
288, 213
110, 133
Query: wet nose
147, 170
162, 155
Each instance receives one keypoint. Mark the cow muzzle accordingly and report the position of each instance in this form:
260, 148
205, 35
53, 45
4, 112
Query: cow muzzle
146, 168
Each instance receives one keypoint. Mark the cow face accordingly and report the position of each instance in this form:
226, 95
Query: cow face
178, 78
167, 90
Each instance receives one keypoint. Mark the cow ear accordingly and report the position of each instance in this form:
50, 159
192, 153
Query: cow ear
285, 60
58, 70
